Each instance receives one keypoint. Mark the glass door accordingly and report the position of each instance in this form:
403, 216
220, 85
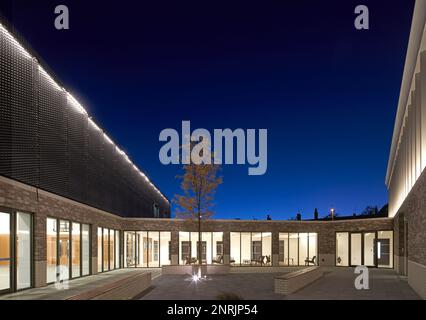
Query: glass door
369, 251
5, 256
356, 249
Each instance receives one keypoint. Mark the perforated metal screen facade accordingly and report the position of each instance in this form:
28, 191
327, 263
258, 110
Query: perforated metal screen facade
47, 142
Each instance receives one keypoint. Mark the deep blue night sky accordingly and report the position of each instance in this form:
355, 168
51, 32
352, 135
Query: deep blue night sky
326, 92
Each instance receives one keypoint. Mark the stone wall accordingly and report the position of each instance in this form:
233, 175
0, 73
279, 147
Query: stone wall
413, 212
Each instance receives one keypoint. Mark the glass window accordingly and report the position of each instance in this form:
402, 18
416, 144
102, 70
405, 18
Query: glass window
100, 250
153, 254
4, 251
111, 249
165, 248
141, 248
105, 250
235, 248
257, 258
194, 247
313, 248
117, 249
293, 249
51, 249
129, 249
64, 249
369, 240
75, 250
23, 250
283, 249
185, 248
267, 248
245, 248
217, 247
356, 249
342, 249
384, 249
85, 247
207, 249
303, 249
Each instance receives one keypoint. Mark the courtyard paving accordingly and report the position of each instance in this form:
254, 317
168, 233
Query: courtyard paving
336, 284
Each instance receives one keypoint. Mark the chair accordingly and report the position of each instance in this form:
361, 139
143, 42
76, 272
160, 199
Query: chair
308, 262
218, 259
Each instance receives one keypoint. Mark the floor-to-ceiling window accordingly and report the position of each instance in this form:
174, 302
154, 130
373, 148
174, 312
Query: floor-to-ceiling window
298, 249
144, 249
64, 249
117, 249
51, 249
251, 248
129, 249
85, 249
67, 250
15, 251
165, 248
342, 249
368, 248
23, 250
100, 250
5, 254
211, 247
109, 249
105, 250
384, 248
75, 250
369, 241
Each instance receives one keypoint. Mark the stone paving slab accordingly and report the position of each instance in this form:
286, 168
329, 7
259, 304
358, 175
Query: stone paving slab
336, 284
77, 286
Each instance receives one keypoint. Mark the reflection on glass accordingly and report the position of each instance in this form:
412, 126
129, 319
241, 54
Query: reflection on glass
4, 251
51, 249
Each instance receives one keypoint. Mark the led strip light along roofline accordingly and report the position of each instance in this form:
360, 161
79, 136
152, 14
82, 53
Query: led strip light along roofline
74, 103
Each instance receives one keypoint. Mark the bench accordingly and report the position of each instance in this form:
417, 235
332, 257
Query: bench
293, 281
123, 289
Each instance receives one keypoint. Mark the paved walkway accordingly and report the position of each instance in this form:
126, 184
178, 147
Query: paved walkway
77, 286
337, 283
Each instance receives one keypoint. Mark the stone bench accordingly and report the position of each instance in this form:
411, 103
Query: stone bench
296, 280
123, 289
